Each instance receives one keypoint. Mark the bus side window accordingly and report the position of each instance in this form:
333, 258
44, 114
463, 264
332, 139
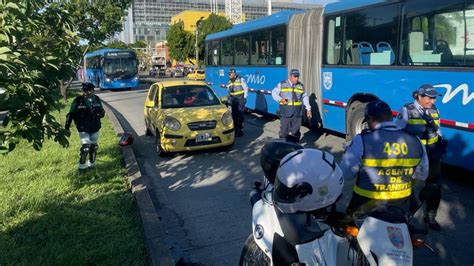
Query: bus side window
277, 47
260, 49
333, 41
367, 27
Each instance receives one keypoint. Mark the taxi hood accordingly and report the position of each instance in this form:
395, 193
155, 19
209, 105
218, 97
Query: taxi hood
198, 113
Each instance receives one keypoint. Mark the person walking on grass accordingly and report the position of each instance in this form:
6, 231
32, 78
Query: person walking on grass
86, 111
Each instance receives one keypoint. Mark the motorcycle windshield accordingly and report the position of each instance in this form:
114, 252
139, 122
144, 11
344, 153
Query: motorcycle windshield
121, 67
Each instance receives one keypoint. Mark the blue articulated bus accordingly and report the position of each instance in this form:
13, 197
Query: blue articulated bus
112, 69
352, 52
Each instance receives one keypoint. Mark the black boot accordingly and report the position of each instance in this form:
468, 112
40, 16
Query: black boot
85, 148
92, 154
238, 129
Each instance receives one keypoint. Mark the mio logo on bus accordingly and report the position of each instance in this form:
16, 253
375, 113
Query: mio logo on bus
255, 79
450, 93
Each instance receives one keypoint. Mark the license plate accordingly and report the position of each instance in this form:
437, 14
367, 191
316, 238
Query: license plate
204, 137
122, 84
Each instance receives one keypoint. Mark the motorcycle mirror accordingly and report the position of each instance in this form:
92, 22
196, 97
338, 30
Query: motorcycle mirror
420, 243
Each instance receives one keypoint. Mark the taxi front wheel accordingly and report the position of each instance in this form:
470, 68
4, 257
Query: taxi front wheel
147, 129
158, 147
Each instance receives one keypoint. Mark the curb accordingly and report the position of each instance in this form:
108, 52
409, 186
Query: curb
158, 253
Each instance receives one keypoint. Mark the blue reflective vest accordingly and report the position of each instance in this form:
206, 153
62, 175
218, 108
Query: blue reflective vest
235, 87
388, 164
294, 95
419, 124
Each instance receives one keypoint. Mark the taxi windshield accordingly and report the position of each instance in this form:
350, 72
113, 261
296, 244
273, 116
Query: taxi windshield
188, 96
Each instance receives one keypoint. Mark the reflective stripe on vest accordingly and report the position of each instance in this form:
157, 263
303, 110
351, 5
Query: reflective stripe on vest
294, 103
383, 195
237, 93
394, 162
297, 90
429, 141
235, 88
418, 126
388, 163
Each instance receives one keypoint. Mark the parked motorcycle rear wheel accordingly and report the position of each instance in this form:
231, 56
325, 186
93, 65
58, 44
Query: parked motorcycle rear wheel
252, 255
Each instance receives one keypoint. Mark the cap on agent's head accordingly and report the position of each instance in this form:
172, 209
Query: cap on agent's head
232, 71
427, 90
295, 72
87, 86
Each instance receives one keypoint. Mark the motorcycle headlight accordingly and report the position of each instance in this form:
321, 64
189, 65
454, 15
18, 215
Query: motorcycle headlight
172, 123
227, 118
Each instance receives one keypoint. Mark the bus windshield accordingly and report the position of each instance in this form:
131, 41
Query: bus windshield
123, 67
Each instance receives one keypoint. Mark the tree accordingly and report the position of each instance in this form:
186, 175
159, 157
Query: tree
180, 42
39, 50
37, 41
96, 21
214, 23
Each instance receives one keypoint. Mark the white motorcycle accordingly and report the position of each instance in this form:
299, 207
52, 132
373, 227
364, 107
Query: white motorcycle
324, 236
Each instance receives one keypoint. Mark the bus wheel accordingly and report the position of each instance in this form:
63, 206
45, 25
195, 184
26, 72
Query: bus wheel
355, 120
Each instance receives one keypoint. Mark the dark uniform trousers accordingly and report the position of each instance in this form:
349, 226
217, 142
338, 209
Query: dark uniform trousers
237, 102
290, 126
388, 164
425, 127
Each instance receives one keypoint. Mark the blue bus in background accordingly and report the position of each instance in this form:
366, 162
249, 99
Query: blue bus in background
111, 69
352, 52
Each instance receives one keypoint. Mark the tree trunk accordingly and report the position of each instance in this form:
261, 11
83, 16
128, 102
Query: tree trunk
64, 85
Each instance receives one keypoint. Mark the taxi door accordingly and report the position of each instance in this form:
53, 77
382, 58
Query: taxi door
151, 107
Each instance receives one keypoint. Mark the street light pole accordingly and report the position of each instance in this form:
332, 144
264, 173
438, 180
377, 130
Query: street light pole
198, 23
197, 50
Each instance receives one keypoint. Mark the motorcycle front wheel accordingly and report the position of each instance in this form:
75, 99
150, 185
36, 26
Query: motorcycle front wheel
252, 255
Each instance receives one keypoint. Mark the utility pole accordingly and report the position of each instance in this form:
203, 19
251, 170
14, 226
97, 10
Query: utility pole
198, 23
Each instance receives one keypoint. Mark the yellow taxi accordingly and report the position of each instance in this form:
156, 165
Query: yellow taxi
185, 116
197, 75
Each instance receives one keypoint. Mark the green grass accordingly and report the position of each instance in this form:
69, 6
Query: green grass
50, 214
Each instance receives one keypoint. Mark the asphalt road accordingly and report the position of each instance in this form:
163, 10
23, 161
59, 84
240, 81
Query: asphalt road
202, 197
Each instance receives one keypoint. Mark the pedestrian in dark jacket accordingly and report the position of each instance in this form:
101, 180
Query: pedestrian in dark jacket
86, 112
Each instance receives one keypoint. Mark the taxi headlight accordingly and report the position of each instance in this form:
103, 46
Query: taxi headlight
227, 118
107, 80
172, 123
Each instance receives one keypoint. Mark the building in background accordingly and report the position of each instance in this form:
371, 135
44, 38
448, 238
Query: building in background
149, 20
190, 17
161, 56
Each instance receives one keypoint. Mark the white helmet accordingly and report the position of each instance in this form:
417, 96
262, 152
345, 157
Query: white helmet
307, 180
